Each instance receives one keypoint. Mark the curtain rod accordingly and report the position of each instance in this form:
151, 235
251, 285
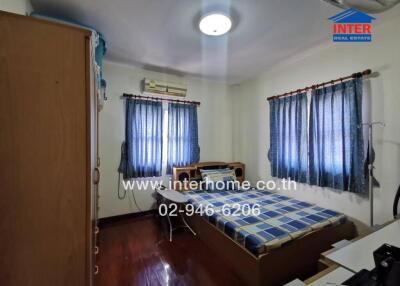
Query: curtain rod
294, 92
126, 95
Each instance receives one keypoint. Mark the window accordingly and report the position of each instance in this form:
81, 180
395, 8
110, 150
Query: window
327, 148
143, 137
157, 137
183, 142
288, 137
336, 139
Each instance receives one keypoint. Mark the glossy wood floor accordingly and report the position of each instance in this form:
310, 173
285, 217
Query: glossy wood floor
136, 251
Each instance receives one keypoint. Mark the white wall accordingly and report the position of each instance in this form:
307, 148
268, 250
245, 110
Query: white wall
242, 133
215, 130
251, 135
16, 6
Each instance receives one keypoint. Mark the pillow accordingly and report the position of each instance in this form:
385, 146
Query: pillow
218, 179
218, 174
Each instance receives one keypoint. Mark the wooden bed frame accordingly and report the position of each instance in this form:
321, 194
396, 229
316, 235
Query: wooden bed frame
295, 259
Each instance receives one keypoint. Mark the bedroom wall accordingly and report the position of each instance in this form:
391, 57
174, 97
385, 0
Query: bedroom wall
251, 121
214, 120
16, 6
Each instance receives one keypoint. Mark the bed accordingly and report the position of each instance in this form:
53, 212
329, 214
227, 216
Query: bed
283, 242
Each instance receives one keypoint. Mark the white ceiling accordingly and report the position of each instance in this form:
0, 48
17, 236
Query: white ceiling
163, 34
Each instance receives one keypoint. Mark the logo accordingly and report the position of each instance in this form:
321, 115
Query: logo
352, 26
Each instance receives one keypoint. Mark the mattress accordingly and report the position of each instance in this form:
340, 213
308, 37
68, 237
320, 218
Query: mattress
280, 218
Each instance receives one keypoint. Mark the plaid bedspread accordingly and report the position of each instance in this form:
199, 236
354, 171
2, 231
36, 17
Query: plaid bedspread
281, 218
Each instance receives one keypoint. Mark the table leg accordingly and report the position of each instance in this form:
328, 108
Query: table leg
170, 228
185, 222
187, 225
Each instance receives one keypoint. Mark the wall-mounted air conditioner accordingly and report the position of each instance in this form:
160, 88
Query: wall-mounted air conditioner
152, 86
367, 6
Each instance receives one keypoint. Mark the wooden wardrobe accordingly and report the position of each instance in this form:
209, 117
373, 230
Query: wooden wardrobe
47, 154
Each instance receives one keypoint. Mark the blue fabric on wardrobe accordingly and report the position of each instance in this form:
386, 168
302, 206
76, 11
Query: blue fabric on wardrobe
336, 141
288, 137
183, 141
143, 138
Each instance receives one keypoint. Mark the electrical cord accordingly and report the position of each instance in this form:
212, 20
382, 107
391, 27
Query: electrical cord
119, 183
134, 199
121, 197
396, 203
121, 169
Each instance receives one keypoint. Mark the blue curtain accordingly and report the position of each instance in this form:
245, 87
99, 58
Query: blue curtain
336, 141
143, 138
288, 137
183, 141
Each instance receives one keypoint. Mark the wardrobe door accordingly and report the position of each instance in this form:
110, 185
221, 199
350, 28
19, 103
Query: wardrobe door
44, 153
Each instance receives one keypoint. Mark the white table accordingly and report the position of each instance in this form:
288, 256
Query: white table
359, 254
171, 196
296, 282
336, 277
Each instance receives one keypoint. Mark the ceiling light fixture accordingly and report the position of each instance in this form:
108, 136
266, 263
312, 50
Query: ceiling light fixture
215, 24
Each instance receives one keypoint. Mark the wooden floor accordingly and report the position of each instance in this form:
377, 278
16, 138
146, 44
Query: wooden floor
136, 251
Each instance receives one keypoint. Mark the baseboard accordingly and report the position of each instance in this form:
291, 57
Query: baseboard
119, 218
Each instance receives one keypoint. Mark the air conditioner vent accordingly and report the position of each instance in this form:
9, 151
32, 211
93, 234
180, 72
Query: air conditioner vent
367, 6
152, 86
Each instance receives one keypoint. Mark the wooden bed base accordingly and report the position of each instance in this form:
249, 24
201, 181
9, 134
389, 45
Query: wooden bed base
296, 259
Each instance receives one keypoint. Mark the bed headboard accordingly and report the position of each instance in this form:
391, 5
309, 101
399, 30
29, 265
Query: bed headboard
192, 172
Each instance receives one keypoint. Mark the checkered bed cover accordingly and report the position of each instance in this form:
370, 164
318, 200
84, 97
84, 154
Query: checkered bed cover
281, 218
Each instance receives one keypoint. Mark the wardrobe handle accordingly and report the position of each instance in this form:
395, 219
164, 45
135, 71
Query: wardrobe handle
96, 176
96, 250
96, 270
96, 230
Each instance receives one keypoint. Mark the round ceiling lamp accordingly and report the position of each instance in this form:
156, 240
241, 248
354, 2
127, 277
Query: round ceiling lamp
215, 24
